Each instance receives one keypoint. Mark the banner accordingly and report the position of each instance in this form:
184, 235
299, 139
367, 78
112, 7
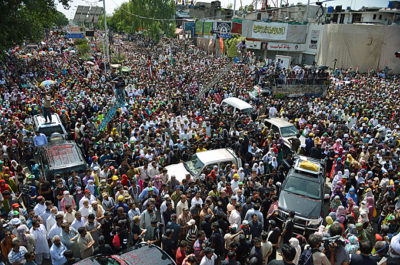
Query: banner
189, 25
207, 28
314, 39
224, 30
290, 47
199, 28
269, 31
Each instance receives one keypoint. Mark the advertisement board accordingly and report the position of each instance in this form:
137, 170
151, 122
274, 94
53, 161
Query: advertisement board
224, 29
269, 31
207, 28
290, 47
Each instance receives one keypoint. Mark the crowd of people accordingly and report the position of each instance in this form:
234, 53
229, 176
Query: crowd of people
226, 216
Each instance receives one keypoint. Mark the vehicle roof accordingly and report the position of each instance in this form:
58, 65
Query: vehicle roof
217, 155
237, 103
146, 254
279, 122
300, 159
41, 121
294, 173
62, 155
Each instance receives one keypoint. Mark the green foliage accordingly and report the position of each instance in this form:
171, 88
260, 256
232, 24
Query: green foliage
78, 42
140, 15
60, 19
83, 49
26, 20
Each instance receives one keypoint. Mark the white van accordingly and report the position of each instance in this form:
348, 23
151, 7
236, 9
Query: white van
285, 129
237, 105
204, 161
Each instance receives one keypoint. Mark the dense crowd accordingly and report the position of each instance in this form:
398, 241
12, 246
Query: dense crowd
229, 214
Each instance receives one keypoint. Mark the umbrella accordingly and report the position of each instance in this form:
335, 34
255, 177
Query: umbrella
126, 69
47, 83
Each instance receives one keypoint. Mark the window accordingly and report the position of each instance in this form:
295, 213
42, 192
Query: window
356, 18
374, 17
341, 18
380, 17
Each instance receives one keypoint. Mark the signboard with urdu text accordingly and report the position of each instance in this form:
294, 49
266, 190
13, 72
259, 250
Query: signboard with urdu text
269, 31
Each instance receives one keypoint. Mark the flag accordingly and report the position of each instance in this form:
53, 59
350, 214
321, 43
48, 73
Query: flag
150, 72
221, 43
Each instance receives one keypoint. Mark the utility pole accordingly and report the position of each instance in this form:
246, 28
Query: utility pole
234, 7
308, 8
105, 29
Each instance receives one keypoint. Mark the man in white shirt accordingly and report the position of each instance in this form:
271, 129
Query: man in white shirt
56, 229
197, 200
40, 208
182, 204
51, 220
234, 217
57, 252
209, 257
79, 221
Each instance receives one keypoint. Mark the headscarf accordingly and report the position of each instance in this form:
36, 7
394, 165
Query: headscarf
336, 179
341, 214
363, 217
329, 222
356, 212
352, 194
294, 242
370, 206
274, 163
352, 244
350, 205
351, 230
333, 216
335, 203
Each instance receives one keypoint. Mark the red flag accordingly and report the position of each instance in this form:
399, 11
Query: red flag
150, 72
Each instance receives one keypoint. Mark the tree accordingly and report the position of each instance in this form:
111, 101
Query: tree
60, 19
154, 17
25, 20
229, 6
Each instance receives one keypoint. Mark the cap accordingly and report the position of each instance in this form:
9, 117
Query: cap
120, 198
245, 222
15, 205
87, 190
15, 221
115, 177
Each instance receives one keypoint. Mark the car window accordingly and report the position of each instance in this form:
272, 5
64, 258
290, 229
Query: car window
289, 131
49, 130
303, 187
224, 165
194, 165
210, 167
275, 129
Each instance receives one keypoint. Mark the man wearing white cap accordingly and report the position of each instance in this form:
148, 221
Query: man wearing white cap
394, 251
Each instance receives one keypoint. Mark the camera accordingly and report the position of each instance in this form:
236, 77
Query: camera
329, 242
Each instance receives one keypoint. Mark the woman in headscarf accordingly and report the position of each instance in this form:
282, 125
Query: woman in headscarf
350, 205
341, 214
241, 174
255, 168
274, 163
352, 195
294, 242
362, 235
363, 217
352, 244
371, 207
351, 230
335, 203
356, 212
336, 179
329, 222
338, 191
261, 169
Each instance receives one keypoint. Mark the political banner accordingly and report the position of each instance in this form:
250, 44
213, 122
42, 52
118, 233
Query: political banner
207, 27
189, 26
224, 30
199, 28
269, 31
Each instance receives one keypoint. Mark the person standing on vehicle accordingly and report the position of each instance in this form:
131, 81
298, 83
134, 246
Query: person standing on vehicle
287, 232
47, 108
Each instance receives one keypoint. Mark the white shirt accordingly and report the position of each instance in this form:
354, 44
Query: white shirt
40, 235
51, 220
235, 218
76, 224
180, 206
55, 230
39, 209
197, 201
207, 261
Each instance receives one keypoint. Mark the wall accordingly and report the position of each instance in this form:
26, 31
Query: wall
313, 41
363, 45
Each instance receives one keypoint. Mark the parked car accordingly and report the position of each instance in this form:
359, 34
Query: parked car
204, 161
48, 128
60, 157
142, 253
303, 192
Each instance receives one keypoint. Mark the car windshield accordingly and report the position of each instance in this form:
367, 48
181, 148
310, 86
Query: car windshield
303, 187
289, 131
194, 165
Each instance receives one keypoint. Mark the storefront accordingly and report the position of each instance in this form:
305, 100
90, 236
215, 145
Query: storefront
294, 50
